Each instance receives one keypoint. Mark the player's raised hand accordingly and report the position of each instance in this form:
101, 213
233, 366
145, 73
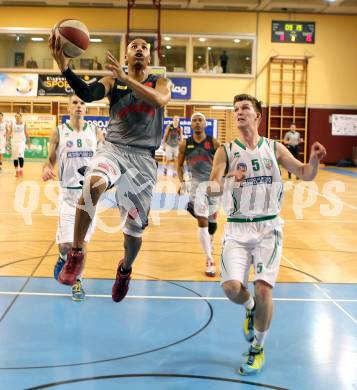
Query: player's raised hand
318, 151
114, 66
48, 174
56, 48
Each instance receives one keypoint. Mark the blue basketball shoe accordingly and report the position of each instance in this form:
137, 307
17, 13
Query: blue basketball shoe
58, 267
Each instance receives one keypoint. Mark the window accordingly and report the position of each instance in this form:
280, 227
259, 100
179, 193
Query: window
30, 50
173, 53
222, 55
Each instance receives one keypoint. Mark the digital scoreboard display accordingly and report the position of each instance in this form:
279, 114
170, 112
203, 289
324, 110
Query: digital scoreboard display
292, 32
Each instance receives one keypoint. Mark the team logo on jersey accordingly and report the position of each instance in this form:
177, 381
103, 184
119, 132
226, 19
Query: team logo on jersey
268, 163
69, 144
122, 87
236, 155
242, 167
207, 145
149, 84
190, 146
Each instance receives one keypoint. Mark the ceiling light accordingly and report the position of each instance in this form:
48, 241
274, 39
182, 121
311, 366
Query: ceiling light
236, 40
167, 38
199, 57
96, 40
168, 47
37, 39
209, 48
202, 39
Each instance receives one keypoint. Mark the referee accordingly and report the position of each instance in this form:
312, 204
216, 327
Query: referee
292, 140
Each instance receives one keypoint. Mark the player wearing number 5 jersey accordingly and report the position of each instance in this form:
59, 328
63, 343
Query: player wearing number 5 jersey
253, 234
72, 146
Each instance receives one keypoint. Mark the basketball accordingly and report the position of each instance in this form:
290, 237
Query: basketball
74, 36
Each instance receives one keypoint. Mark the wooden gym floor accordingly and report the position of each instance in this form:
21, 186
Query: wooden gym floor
319, 236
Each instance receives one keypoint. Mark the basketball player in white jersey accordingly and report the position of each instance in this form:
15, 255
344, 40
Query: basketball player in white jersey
253, 233
72, 146
19, 136
3, 137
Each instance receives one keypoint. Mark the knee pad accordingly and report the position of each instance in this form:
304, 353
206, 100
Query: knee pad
212, 227
191, 209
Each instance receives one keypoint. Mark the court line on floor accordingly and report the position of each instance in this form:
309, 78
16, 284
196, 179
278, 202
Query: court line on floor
27, 281
334, 301
168, 297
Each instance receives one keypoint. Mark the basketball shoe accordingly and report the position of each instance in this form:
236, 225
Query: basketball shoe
210, 268
58, 267
78, 293
72, 268
254, 362
121, 284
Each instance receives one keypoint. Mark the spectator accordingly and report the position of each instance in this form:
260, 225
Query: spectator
31, 64
217, 68
224, 61
95, 65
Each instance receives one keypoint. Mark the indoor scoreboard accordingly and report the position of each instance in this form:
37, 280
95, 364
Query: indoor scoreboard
292, 32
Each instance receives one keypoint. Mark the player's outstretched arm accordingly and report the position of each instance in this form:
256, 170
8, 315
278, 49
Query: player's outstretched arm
157, 97
87, 92
219, 168
305, 172
48, 172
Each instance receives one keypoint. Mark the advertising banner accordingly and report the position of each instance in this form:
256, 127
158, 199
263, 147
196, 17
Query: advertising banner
18, 84
39, 128
99, 121
185, 123
181, 88
57, 85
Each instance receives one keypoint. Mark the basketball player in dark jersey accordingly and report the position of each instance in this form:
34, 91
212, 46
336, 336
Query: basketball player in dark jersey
172, 137
198, 151
126, 159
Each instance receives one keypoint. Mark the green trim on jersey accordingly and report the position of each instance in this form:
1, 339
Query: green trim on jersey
273, 255
69, 127
227, 159
259, 144
240, 144
245, 220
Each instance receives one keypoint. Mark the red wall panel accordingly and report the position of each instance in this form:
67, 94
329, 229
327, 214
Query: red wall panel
319, 129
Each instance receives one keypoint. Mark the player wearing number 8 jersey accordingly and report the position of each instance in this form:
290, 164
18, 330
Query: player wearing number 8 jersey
253, 233
72, 146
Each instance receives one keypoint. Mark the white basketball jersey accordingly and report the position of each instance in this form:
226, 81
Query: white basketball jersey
260, 193
75, 149
18, 133
2, 130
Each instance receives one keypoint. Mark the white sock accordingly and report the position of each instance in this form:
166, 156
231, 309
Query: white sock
249, 304
205, 240
63, 256
259, 337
